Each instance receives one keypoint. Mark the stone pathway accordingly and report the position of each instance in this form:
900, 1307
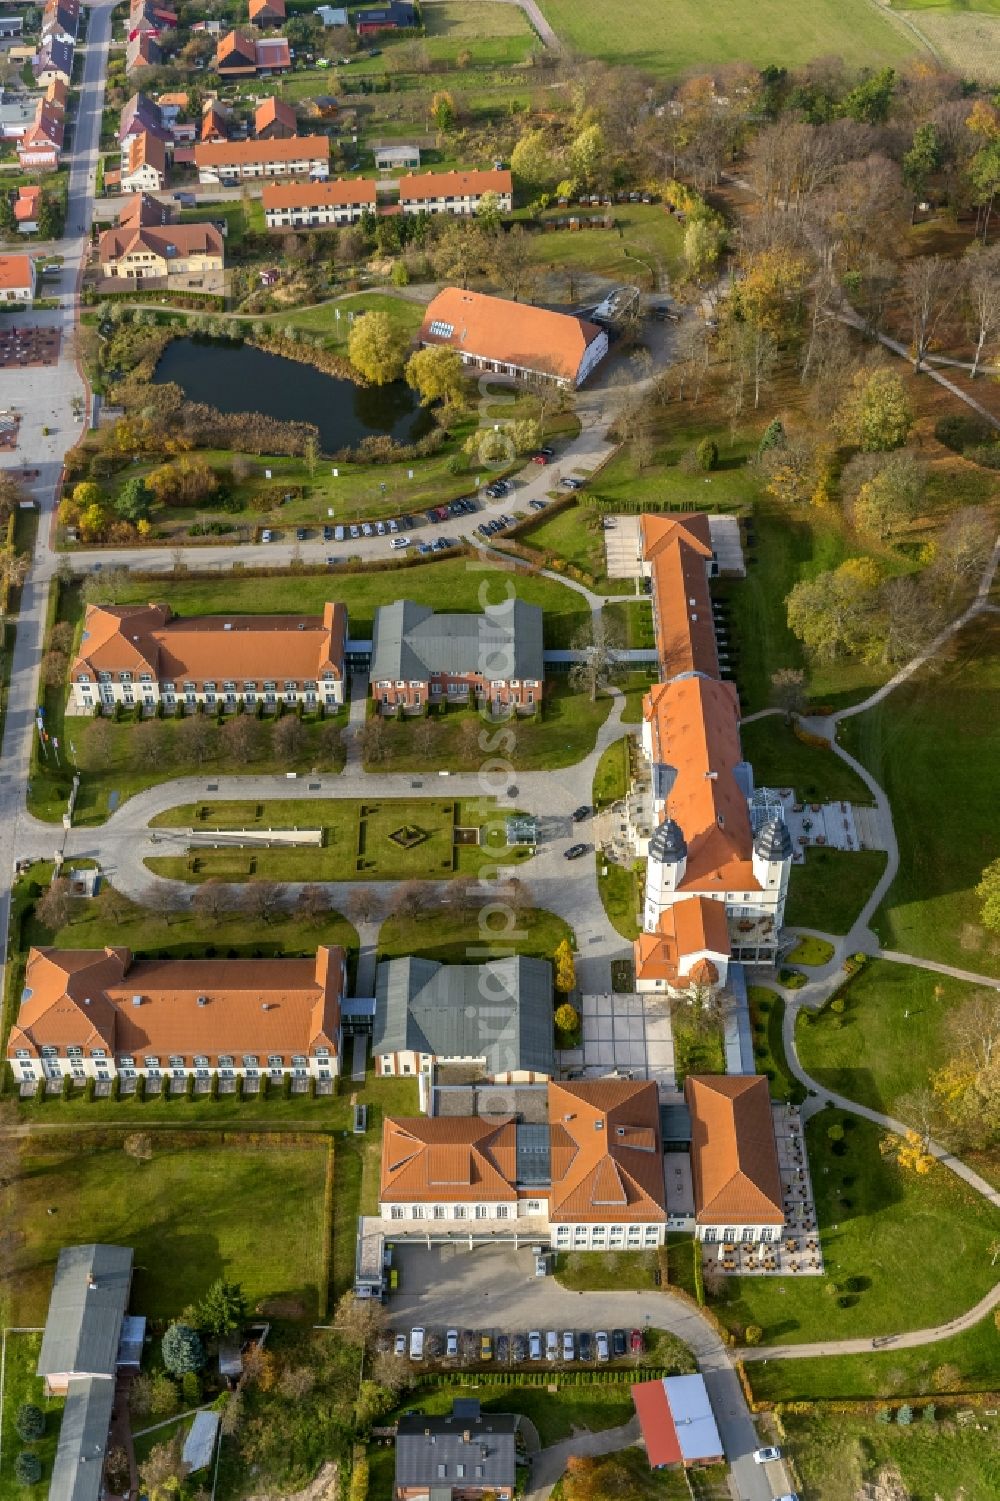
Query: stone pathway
549, 1465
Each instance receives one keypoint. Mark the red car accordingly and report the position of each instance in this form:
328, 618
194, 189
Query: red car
636, 1342
539, 458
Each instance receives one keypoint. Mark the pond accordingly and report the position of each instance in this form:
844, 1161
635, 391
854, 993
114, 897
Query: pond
239, 378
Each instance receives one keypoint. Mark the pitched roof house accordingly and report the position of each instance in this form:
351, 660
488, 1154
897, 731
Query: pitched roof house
677, 1421
142, 50
274, 120
173, 251
97, 1013
144, 653
17, 278
143, 211
419, 655
734, 1158
216, 121
267, 12
144, 163
141, 113
607, 1156
90, 1292
233, 161
513, 338
300, 205
236, 54
497, 1015
40, 146
397, 16
462, 1456
54, 60
455, 192
26, 207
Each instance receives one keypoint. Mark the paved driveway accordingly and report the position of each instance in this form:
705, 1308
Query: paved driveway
621, 544
494, 1287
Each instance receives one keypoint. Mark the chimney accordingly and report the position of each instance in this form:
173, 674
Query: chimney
91, 1282
466, 1436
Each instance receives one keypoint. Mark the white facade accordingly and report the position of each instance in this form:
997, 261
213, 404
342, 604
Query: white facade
238, 169
488, 1219
463, 205
592, 356
315, 216
81, 1064
145, 179
129, 689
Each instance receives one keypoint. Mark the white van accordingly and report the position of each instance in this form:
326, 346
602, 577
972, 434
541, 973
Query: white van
399, 543
416, 1344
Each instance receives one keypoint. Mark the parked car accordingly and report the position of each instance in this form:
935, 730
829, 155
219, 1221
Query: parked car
618, 1342
586, 1346
431, 515
789, 1496
579, 814
267, 535
534, 1345
393, 524
300, 534
519, 1347
542, 1265
424, 548
539, 458
503, 1348
380, 528
636, 1344
551, 1345
601, 1338
766, 1455
442, 513
575, 851
484, 529
569, 483
417, 1343
338, 534
568, 1345
366, 529
355, 531
399, 543
547, 450
328, 533
485, 1346
451, 1344
400, 1345
537, 505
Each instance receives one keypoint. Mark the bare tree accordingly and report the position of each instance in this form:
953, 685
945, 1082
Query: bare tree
909, 619
981, 296
362, 905
54, 907
288, 740
313, 903
97, 742
788, 691
975, 1027
358, 1320
929, 286
195, 739
240, 738
413, 897
148, 745
262, 899
600, 649
214, 899
424, 737
374, 739
115, 905
53, 669
964, 547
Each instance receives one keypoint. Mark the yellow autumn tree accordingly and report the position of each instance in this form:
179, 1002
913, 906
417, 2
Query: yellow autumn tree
909, 1150
565, 967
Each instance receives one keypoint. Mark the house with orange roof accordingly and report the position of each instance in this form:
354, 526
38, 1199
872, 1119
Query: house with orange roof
274, 120
143, 50
178, 255
144, 654
316, 205
513, 338
101, 1014
142, 211
710, 839
242, 161
267, 12
241, 54
144, 167
734, 1159
455, 192
40, 147
26, 208
216, 122
17, 278
589, 1177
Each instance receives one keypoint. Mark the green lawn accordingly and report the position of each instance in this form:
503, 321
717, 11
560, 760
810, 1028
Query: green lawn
556, 1415
573, 536
830, 889
938, 735
456, 937
698, 1051
966, 1362
646, 241
622, 890
613, 774
362, 841
767, 1014
779, 759
835, 1452
191, 1213
606, 1271
892, 1032
560, 734
405, 316
684, 36
22, 1385
813, 953
358, 1166
886, 1249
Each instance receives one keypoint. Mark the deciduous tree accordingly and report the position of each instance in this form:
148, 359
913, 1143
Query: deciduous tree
875, 415
833, 613
565, 967
436, 372
359, 1320
376, 349
54, 907
788, 691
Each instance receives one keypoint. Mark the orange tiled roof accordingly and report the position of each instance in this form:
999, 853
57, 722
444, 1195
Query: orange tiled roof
607, 1160
268, 10
508, 332
677, 549
26, 204
415, 189
272, 111
142, 209
57, 92
15, 271
174, 239
147, 150
734, 1159
291, 149
687, 927
694, 723
332, 193
147, 638
448, 1158
87, 998
236, 49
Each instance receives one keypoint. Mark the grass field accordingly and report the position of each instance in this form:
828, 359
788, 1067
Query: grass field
934, 744
767, 1014
644, 246
830, 889
780, 759
455, 937
966, 1362
669, 40
835, 1453
881, 1231
574, 534
192, 1214
358, 842
611, 779
606, 1271
22, 1385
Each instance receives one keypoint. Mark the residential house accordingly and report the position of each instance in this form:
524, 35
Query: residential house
54, 60
144, 169
589, 1178
274, 120
708, 838
17, 111
237, 161
26, 207
172, 106
400, 15
83, 1327
100, 1014
138, 115
143, 50
331, 15
512, 338
677, 1422
455, 192
11, 27
494, 659
240, 55
397, 158
142, 654
61, 21
216, 122
40, 147
460, 1456
179, 255
734, 1159
142, 211
147, 16
313, 205
267, 12
494, 1017
17, 278
57, 92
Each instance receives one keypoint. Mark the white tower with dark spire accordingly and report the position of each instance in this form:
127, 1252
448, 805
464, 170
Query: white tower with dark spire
665, 867
772, 865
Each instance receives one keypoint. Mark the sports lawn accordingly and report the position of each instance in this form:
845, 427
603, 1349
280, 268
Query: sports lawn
192, 1213
668, 39
934, 744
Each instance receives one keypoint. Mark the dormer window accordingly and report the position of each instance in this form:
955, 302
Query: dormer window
98, 1053
84, 677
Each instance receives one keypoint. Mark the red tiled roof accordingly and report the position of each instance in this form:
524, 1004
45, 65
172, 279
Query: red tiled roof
332, 193
291, 149
15, 272
607, 1161
734, 1159
174, 239
446, 1158
416, 189
515, 333
686, 927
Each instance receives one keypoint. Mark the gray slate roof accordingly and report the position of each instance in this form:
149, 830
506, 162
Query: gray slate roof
500, 1011
83, 1436
434, 1452
84, 1323
411, 642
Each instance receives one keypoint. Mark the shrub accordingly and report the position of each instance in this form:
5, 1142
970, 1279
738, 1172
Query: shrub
182, 1350
905, 1415
67, 1087
929, 1414
30, 1422
753, 1334
27, 1468
708, 454
884, 1415
838, 1005
190, 1389
835, 1132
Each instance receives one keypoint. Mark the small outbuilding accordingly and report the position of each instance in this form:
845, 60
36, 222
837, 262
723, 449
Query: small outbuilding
677, 1422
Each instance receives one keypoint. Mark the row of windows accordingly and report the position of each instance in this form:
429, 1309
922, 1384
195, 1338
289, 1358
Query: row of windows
456, 686
176, 1060
612, 1235
451, 1211
229, 686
